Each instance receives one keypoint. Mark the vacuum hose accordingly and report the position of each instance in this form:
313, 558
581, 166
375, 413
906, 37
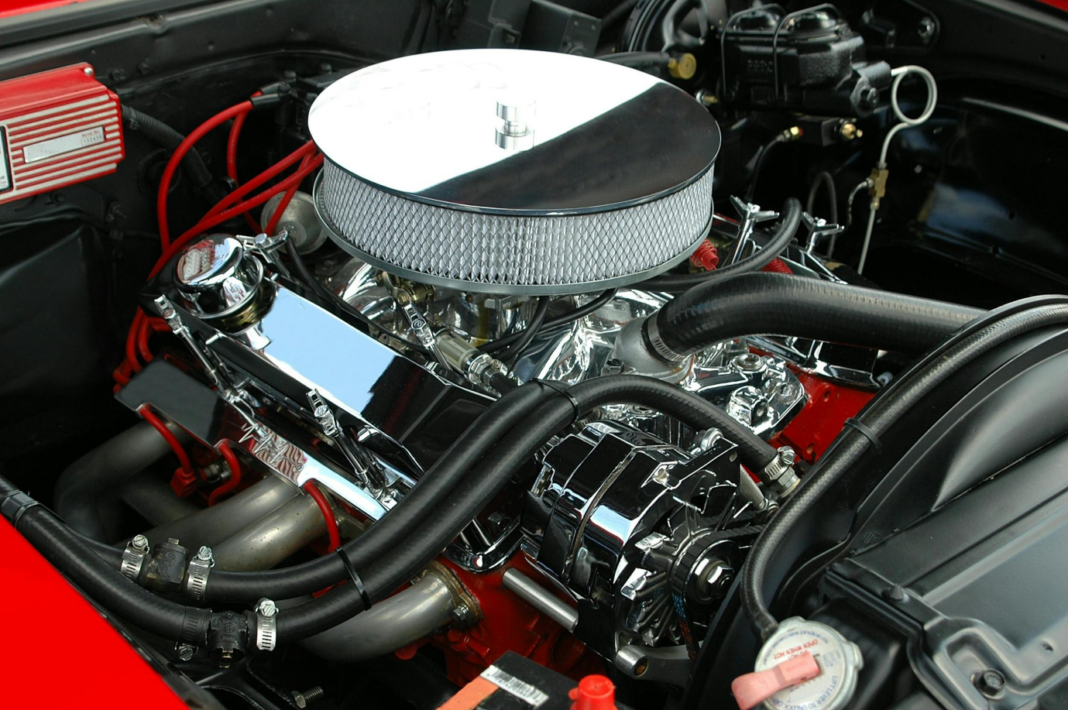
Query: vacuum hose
773, 248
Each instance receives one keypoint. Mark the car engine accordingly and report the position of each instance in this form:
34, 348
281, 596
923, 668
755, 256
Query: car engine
589, 354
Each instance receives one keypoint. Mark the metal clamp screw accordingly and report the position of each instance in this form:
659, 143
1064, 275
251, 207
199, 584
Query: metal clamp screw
302, 700
196, 582
266, 625
779, 474
133, 557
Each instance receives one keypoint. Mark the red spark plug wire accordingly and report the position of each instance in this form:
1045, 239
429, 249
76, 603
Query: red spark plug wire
328, 514
172, 441
235, 474
172, 165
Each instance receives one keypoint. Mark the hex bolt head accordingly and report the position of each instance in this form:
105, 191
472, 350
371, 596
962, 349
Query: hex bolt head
139, 541
926, 29
302, 700
990, 683
266, 607
204, 553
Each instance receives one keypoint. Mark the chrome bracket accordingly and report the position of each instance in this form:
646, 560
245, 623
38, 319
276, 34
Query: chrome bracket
751, 215
267, 246
818, 228
231, 393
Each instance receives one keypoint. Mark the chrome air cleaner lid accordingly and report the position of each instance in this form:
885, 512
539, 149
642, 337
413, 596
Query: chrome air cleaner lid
511, 171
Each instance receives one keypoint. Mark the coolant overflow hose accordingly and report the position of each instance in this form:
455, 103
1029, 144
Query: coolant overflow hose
777, 304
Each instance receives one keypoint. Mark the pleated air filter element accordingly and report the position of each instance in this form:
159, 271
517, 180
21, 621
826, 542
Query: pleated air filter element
514, 172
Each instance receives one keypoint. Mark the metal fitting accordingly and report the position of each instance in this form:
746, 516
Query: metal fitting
266, 625
133, 557
196, 581
684, 66
792, 133
185, 651
926, 29
706, 98
302, 700
849, 131
705, 440
779, 473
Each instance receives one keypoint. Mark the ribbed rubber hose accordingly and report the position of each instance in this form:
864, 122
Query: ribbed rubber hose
638, 60
775, 246
70, 554
851, 445
66, 550
488, 479
163, 135
382, 537
101, 471
777, 304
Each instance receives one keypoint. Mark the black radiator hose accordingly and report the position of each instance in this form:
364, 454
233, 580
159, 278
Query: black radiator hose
779, 304
67, 551
102, 470
882, 413
508, 412
494, 472
381, 538
446, 520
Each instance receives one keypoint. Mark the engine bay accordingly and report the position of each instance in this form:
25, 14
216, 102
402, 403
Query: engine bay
642, 354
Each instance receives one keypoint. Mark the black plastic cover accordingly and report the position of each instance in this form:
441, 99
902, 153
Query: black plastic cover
979, 585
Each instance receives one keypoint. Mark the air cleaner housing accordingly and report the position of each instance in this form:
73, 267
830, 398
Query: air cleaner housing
514, 172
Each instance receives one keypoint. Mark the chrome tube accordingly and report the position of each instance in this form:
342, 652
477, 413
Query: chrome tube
392, 623
154, 500
218, 523
540, 598
272, 538
84, 483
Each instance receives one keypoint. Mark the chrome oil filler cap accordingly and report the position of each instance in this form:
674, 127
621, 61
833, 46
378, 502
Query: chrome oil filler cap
217, 278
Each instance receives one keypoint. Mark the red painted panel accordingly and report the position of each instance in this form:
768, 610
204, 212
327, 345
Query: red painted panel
22, 7
58, 652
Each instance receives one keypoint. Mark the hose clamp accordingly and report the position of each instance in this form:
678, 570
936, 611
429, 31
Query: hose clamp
196, 579
660, 349
779, 473
133, 557
266, 625
15, 504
